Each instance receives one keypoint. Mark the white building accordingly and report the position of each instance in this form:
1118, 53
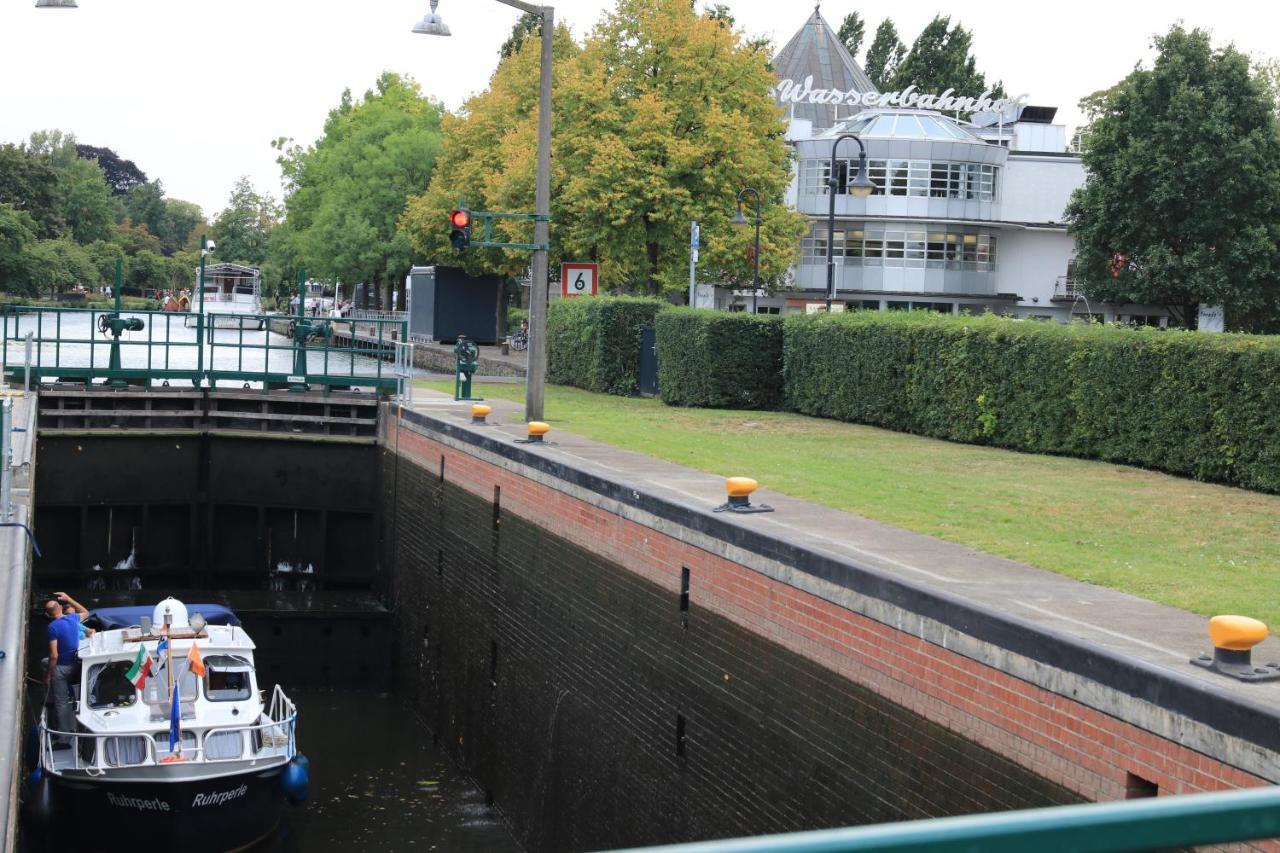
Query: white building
965, 216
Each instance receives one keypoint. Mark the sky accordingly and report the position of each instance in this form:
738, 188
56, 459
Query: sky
194, 93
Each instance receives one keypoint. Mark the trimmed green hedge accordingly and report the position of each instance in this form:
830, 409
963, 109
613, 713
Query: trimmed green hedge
719, 360
594, 342
1206, 406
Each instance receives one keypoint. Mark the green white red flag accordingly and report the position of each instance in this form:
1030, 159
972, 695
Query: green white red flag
141, 668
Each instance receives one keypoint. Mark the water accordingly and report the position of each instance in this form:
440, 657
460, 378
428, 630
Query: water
173, 346
378, 784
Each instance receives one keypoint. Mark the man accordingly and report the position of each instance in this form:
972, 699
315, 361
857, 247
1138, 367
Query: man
65, 614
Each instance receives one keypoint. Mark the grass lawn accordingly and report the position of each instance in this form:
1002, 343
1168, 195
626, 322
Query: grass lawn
1204, 548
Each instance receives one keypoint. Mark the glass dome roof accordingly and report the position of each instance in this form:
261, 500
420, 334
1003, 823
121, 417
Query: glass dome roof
904, 125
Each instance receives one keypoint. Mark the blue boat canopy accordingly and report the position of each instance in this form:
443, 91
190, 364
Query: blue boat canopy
114, 618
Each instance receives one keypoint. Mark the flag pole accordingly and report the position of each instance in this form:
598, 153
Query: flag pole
168, 624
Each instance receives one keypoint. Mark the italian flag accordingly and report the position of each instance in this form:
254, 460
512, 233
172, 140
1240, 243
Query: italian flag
141, 668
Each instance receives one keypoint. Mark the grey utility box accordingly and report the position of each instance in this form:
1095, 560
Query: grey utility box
444, 302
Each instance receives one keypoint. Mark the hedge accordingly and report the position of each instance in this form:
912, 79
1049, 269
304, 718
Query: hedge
1201, 405
594, 342
720, 360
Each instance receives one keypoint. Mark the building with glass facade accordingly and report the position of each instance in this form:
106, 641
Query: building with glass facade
966, 214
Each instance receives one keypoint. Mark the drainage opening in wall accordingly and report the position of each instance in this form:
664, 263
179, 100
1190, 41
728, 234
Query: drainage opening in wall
1135, 787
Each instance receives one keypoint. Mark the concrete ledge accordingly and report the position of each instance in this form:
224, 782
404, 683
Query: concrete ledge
1116, 671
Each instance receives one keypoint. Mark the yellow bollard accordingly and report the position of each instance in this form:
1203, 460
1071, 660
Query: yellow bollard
479, 412
1233, 637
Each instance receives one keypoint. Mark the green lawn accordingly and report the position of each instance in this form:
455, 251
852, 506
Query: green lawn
1205, 548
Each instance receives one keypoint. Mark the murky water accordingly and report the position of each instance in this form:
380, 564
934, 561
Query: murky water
167, 343
378, 784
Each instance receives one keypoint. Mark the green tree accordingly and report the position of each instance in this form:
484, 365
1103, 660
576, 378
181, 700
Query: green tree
57, 265
662, 115
102, 256
17, 233
528, 25
885, 54
83, 197
144, 205
178, 224
940, 59
852, 30
347, 191
31, 185
122, 175
1182, 204
147, 271
243, 228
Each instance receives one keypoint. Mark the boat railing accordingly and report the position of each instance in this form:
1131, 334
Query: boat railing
277, 737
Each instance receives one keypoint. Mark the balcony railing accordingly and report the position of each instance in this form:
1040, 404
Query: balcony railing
1067, 288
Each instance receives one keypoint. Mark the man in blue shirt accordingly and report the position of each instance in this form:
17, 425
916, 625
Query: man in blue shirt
64, 614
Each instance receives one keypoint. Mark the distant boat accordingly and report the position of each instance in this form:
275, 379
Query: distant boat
116, 783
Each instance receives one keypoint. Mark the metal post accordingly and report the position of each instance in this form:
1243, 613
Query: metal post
204, 248
536, 373
26, 365
695, 240
832, 186
6, 455
755, 275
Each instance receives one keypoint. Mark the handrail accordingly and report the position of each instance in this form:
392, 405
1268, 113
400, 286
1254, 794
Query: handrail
1183, 820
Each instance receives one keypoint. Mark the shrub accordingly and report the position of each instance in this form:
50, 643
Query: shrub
594, 342
514, 317
1184, 402
721, 360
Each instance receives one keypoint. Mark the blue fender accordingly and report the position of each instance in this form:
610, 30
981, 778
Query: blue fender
296, 780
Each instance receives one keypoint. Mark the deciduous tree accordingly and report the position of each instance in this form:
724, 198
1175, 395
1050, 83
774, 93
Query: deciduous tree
852, 30
243, 228
941, 58
885, 54
1182, 205
122, 175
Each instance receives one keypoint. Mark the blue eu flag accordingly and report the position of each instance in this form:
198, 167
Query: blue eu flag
175, 717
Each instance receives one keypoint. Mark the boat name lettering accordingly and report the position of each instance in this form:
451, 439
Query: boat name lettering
220, 797
794, 92
155, 804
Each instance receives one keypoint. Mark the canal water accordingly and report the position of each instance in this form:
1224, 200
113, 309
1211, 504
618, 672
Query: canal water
380, 784
71, 339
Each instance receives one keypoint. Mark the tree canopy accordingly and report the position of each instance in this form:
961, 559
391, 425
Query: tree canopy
884, 55
242, 230
122, 175
852, 30
1182, 205
347, 190
941, 59
662, 116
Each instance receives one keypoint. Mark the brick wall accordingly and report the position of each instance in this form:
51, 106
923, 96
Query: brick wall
550, 651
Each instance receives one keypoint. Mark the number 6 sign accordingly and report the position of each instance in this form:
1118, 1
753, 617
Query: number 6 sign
579, 279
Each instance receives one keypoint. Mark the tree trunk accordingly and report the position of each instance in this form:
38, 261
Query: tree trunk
400, 304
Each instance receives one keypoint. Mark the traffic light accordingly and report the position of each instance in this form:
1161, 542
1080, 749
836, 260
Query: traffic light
460, 225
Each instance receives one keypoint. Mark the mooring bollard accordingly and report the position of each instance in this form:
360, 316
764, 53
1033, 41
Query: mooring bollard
479, 412
740, 489
1233, 637
537, 431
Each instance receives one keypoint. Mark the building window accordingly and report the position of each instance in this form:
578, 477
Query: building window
898, 306
907, 178
874, 245
768, 309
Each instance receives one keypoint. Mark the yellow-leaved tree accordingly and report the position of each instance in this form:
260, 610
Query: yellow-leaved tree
660, 118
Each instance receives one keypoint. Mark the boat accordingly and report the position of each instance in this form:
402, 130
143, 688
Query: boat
163, 755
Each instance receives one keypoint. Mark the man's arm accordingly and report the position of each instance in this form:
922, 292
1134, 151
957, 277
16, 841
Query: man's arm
53, 662
75, 605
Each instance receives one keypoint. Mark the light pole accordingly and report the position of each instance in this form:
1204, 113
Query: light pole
536, 372
206, 248
860, 187
740, 220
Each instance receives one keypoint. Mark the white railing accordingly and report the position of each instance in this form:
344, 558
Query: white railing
1067, 287
403, 371
278, 732
370, 314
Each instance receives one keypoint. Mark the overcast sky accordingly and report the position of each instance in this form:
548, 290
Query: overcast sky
194, 92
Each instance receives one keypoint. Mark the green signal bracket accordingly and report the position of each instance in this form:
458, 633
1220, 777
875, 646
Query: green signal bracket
486, 220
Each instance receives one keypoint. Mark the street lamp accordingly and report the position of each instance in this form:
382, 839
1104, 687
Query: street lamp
432, 24
536, 373
56, 4
860, 187
741, 220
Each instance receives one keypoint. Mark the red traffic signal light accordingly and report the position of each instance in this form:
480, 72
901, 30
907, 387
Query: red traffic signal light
460, 225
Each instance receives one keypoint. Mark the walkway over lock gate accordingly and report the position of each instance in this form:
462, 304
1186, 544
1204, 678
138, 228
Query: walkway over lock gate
142, 348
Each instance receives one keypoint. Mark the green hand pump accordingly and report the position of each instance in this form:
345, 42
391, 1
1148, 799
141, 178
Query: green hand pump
115, 325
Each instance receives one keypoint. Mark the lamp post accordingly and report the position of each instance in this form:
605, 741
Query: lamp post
740, 220
206, 249
860, 187
536, 372
56, 4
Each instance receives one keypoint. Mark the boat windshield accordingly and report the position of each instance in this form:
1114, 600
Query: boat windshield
108, 686
228, 678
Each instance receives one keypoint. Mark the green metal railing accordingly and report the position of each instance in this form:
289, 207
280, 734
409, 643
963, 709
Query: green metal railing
1145, 824
77, 345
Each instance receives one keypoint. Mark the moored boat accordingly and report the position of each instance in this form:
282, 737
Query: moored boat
172, 746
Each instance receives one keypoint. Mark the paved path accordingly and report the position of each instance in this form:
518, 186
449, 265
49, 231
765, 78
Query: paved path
1160, 635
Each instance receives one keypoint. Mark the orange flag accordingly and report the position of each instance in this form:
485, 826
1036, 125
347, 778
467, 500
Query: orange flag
194, 662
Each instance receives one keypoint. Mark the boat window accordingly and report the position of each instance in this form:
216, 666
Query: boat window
156, 691
162, 745
227, 678
223, 745
108, 686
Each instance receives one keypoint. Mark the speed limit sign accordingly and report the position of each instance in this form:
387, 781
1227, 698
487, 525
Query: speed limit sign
579, 279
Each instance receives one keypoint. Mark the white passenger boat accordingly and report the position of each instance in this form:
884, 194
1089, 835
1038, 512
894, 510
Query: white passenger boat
172, 748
